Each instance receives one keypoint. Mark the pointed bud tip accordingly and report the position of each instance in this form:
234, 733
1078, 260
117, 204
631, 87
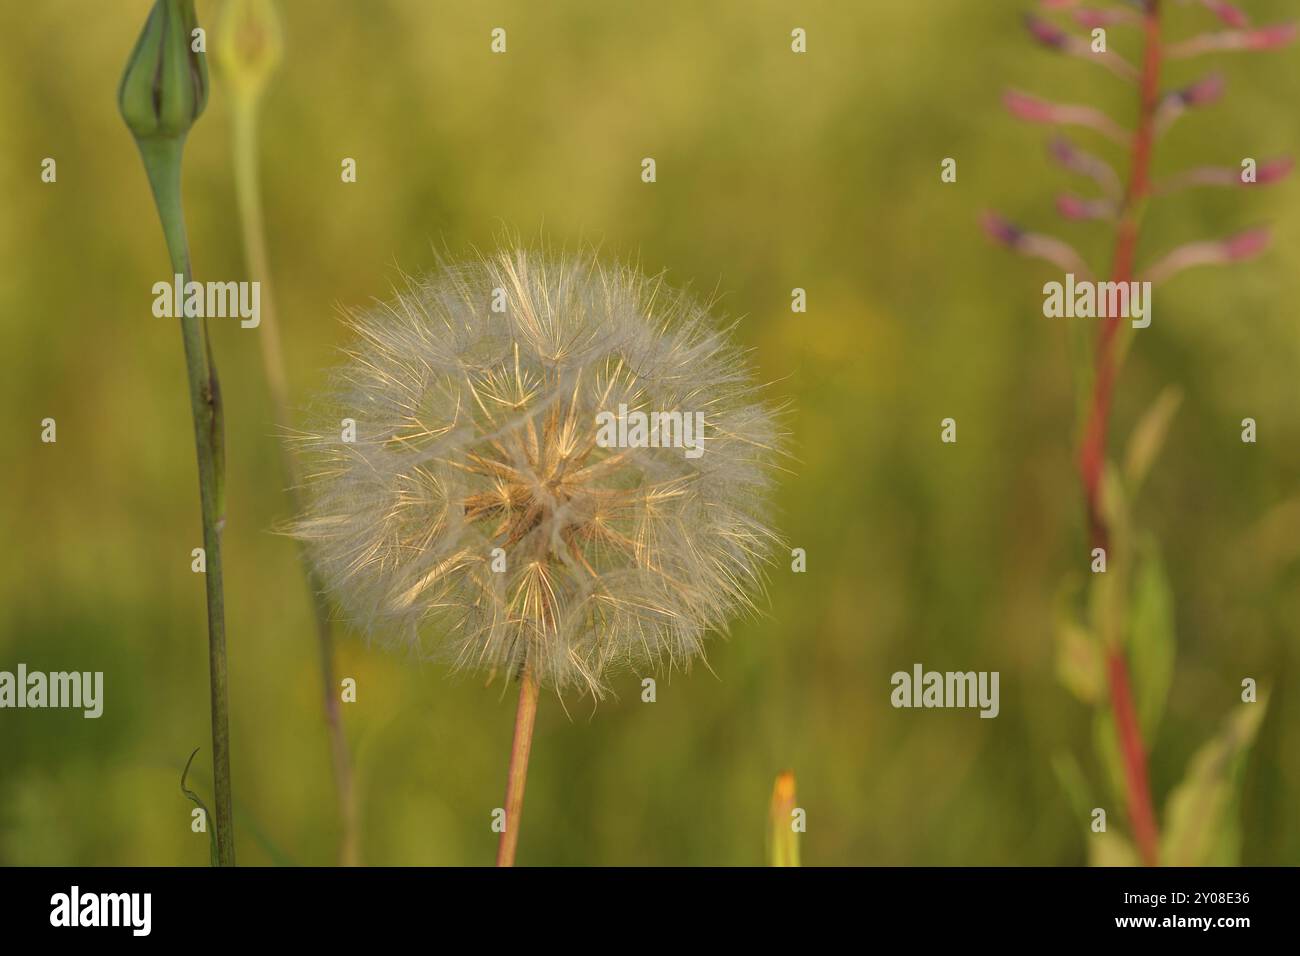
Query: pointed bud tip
164, 88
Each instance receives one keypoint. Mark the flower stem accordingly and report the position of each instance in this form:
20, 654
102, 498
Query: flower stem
1135, 759
162, 161
1092, 452
249, 198
522, 744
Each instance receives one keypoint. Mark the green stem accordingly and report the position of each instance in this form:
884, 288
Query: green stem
249, 198
162, 161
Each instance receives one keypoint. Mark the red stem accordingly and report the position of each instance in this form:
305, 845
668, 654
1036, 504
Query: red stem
517, 776
1092, 453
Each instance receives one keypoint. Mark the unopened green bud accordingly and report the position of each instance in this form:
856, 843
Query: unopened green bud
247, 46
165, 86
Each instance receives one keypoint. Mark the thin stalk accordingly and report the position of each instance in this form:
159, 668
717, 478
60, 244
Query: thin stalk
249, 198
520, 747
162, 161
1092, 452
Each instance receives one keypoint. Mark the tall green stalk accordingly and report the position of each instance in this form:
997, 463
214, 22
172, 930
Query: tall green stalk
247, 50
163, 90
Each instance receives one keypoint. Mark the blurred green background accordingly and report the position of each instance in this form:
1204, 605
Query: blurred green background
775, 171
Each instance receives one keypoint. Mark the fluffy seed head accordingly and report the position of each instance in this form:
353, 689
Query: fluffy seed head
475, 394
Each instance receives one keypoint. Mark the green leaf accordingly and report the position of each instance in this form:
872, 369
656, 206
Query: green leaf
1201, 825
1108, 598
1082, 345
1107, 745
1072, 782
1111, 849
242, 817
1078, 653
1115, 502
1149, 437
207, 817
1151, 646
1078, 661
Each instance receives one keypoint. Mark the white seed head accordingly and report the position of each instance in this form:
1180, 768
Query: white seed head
477, 430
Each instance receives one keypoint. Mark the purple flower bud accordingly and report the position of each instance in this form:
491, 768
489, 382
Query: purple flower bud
1046, 33
1000, 230
1077, 161
1063, 151
1203, 91
1034, 245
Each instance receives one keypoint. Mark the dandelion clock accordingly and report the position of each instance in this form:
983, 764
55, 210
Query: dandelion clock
542, 468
